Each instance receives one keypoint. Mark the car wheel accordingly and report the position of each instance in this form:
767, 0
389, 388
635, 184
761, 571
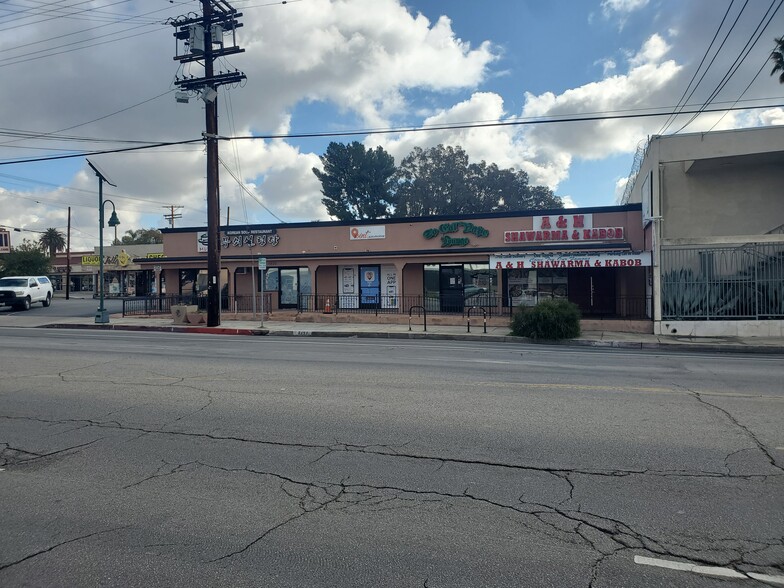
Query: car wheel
48, 300
26, 304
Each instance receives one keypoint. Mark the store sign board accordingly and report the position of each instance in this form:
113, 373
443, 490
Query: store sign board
568, 260
363, 233
245, 238
446, 230
540, 235
122, 259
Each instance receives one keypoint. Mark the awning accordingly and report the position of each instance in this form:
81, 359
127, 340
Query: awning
570, 259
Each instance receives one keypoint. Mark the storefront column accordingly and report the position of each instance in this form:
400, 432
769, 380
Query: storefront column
500, 292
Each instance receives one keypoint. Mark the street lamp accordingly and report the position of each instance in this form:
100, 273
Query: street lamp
102, 315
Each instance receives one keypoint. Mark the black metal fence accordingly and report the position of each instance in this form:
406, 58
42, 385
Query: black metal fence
630, 307
354, 304
162, 304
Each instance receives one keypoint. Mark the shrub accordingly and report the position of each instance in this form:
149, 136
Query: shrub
550, 319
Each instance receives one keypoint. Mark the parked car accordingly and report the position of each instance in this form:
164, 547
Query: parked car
22, 291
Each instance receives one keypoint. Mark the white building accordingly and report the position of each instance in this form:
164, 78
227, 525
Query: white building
716, 205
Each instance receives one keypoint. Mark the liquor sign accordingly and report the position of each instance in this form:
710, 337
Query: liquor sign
568, 260
363, 233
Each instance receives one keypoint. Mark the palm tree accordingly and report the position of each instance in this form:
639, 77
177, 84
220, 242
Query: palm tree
778, 59
52, 241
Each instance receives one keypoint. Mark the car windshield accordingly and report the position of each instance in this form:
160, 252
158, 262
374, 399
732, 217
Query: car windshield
13, 282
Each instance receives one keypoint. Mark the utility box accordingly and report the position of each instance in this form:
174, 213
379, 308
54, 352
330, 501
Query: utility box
196, 39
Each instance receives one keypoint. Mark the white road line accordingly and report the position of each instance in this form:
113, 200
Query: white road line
707, 570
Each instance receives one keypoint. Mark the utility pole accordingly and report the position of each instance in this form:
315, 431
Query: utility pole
171, 216
202, 35
68, 259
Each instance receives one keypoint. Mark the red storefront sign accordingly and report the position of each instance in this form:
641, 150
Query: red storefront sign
537, 236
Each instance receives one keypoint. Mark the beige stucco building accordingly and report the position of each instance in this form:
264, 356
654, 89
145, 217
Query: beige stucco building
596, 257
716, 203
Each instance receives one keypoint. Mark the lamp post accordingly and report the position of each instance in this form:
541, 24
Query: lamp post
102, 315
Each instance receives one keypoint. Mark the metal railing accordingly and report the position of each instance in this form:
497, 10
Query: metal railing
725, 283
355, 304
151, 305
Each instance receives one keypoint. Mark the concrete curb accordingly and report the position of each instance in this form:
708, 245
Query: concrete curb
414, 335
160, 329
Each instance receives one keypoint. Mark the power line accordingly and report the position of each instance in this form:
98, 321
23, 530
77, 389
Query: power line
738, 60
667, 123
394, 130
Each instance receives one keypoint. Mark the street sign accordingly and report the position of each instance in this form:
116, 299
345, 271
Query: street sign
262, 263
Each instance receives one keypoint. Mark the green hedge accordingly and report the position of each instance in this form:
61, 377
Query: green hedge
550, 319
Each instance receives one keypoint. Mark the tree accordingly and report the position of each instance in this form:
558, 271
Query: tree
141, 237
52, 241
26, 259
778, 59
441, 181
432, 181
356, 182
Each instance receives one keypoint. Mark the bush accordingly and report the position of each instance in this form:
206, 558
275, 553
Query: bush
550, 319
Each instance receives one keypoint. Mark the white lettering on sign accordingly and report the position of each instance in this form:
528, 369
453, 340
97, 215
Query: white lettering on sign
570, 260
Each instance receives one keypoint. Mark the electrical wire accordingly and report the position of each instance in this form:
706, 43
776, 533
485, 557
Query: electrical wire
50, 134
388, 131
667, 123
738, 60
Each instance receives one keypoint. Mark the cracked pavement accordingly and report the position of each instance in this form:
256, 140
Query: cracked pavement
356, 463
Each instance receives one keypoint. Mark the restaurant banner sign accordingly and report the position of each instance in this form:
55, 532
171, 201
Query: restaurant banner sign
569, 260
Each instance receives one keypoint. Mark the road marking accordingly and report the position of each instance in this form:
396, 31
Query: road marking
707, 570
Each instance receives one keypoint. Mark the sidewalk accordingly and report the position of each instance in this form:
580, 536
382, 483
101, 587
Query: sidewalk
435, 332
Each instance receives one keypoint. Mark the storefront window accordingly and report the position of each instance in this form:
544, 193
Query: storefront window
527, 287
432, 286
480, 284
271, 280
188, 282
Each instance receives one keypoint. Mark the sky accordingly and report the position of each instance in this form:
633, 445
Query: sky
85, 76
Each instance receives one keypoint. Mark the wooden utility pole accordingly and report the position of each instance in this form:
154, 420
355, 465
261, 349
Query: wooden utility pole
172, 215
68, 258
203, 35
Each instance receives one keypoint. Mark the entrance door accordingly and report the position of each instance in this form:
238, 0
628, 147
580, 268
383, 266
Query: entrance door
593, 290
369, 286
289, 287
451, 282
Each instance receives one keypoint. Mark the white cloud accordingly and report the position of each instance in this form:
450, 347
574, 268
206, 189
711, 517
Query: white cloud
610, 7
360, 61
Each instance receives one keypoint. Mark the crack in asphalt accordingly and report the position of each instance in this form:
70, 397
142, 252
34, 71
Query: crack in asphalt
748, 432
389, 450
11, 456
56, 545
602, 534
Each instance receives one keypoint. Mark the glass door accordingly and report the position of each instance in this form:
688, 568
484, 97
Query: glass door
289, 287
369, 286
451, 282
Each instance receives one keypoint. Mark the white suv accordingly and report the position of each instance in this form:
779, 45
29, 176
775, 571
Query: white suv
22, 291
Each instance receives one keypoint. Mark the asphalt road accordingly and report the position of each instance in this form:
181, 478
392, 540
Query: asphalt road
60, 307
133, 459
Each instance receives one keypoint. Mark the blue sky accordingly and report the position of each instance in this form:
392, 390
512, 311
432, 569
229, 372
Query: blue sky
336, 65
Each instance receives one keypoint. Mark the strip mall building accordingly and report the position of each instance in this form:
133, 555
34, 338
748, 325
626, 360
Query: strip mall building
598, 258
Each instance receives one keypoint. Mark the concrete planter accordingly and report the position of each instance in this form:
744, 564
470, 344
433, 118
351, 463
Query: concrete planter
180, 312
